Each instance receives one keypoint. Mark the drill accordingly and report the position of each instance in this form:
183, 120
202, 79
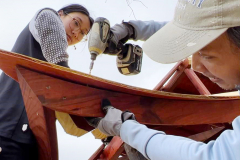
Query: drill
129, 58
98, 38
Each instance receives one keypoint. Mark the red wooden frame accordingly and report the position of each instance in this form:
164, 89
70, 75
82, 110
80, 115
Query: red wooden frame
44, 91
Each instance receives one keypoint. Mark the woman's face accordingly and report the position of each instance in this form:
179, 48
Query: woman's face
220, 62
77, 26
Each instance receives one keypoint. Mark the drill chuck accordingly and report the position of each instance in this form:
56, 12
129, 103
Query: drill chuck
93, 55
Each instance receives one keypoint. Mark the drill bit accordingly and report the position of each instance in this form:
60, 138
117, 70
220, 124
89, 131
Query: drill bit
91, 66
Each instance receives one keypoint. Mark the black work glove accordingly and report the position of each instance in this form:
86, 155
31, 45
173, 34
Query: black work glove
119, 34
112, 122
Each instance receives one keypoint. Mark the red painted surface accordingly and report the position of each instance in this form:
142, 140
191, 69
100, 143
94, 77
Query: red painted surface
47, 87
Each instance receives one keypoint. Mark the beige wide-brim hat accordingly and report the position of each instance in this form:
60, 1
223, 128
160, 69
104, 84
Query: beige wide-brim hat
196, 24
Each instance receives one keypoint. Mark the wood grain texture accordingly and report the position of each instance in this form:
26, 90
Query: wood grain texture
79, 94
193, 79
177, 81
176, 71
41, 121
97, 153
113, 149
207, 134
85, 101
196, 82
9, 60
111, 152
185, 130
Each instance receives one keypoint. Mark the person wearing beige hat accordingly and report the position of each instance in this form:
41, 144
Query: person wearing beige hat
209, 30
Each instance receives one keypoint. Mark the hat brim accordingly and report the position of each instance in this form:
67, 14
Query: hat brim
172, 43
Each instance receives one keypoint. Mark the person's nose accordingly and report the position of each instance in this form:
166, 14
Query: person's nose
197, 64
75, 34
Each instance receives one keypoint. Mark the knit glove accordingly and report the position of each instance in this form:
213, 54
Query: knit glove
119, 34
112, 122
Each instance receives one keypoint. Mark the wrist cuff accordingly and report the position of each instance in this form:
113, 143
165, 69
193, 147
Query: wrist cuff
131, 33
137, 135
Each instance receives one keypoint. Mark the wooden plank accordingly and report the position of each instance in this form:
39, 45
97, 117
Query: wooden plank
113, 149
196, 82
41, 121
85, 101
212, 87
175, 71
175, 79
185, 130
97, 153
206, 135
9, 60
203, 91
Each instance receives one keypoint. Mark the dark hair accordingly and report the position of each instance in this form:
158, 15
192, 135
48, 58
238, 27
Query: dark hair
77, 8
234, 35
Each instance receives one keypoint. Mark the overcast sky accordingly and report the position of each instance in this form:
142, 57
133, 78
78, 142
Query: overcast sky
16, 14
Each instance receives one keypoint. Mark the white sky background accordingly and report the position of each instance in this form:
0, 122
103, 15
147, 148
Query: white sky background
16, 14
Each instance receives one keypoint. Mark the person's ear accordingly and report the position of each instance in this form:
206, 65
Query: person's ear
60, 13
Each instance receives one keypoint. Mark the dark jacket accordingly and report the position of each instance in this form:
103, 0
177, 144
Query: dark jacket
12, 110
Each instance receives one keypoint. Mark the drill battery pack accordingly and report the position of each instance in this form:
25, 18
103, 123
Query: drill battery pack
130, 61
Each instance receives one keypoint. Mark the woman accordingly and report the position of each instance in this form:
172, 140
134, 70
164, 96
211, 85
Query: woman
210, 32
46, 37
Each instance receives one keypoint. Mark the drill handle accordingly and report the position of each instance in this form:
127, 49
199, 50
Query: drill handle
123, 50
112, 48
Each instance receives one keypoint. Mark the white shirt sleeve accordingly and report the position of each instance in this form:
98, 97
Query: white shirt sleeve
48, 30
145, 29
167, 147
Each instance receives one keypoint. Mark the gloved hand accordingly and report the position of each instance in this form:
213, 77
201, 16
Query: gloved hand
112, 122
119, 34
